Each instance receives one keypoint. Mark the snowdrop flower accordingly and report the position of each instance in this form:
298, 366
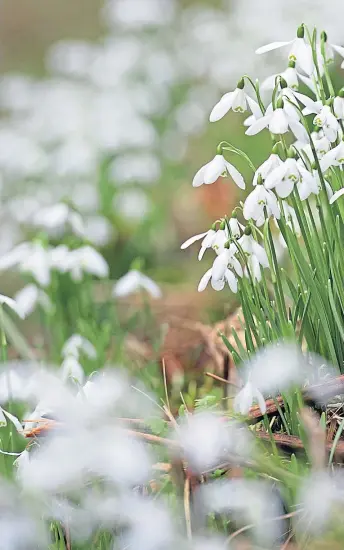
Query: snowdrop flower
207, 242
300, 52
5, 416
237, 101
28, 297
77, 343
217, 167
30, 258
57, 217
290, 75
267, 167
71, 368
338, 105
12, 304
279, 121
334, 157
287, 175
246, 397
134, 281
256, 112
235, 227
336, 195
86, 260
220, 274
256, 255
259, 201
324, 118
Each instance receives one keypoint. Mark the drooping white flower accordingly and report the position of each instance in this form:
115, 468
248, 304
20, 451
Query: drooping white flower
235, 226
134, 281
72, 369
256, 255
259, 201
256, 112
221, 271
28, 297
300, 51
57, 217
338, 105
246, 397
290, 75
77, 343
217, 167
334, 157
324, 118
236, 100
279, 121
86, 259
207, 242
12, 304
30, 258
289, 173
272, 162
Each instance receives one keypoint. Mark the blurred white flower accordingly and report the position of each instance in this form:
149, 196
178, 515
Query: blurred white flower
57, 217
134, 281
261, 203
76, 344
12, 304
5, 416
86, 259
30, 258
28, 297
246, 397
217, 167
72, 369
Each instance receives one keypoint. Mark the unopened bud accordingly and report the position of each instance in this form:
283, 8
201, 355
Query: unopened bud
248, 230
283, 82
213, 227
276, 148
291, 153
280, 103
291, 64
300, 31
323, 36
241, 84
222, 225
341, 92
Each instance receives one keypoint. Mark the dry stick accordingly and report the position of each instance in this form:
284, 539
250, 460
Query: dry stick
220, 379
187, 510
294, 443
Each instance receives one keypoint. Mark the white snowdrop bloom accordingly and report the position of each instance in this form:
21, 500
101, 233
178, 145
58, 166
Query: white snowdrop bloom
220, 273
261, 203
256, 256
12, 304
217, 167
236, 228
71, 368
60, 258
324, 118
334, 157
207, 242
338, 105
20, 462
279, 121
236, 100
300, 51
29, 297
284, 177
56, 217
77, 343
214, 239
98, 230
133, 282
5, 416
272, 162
30, 258
290, 75
256, 112
86, 260
246, 397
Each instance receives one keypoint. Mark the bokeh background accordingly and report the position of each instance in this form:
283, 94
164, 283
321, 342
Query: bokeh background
105, 104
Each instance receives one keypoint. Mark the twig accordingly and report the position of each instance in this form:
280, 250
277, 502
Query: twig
220, 379
294, 443
187, 510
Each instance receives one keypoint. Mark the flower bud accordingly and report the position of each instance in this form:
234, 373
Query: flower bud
213, 227
227, 244
234, 214
222, 225
323, 36
291, 64
241, 84
219, 149
283, 82
291, 153
276, 150
300, 31
341, 92
280, 103
248, 230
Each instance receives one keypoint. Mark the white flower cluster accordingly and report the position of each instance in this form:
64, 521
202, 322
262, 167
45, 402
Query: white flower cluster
299, 169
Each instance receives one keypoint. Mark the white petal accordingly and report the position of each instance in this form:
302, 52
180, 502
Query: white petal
222, 107
259, 251
261, 401
284, 188
339, 49
269, 82
214, 169
239, 101
254, 106
243, 400
193, 239
235, 174
299, 131
205, 280
276, 176
303, 54
279, 122
250, 205
199, 177
220, 265
27, 299
273, 204
311, 105
14, 421
272, 46
337, 195
218, 284
258, 125
150, 286
12, 304
231, 280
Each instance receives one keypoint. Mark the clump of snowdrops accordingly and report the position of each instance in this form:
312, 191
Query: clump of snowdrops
91, 458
